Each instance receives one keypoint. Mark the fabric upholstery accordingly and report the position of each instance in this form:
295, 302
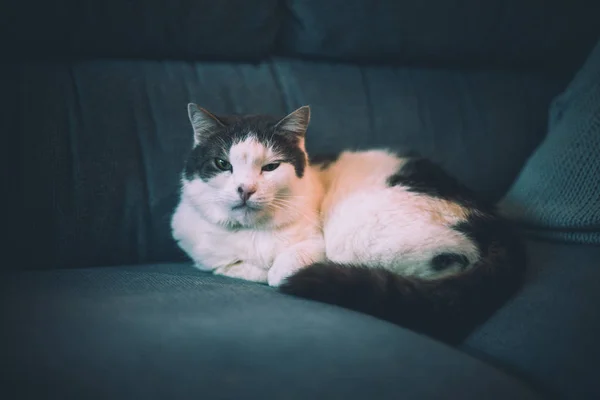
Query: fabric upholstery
549, 34
498, 33
93, 99
105, 141
150, 29
549, 332
557, 194
169, 331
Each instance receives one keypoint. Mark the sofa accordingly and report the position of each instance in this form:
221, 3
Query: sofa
99, 303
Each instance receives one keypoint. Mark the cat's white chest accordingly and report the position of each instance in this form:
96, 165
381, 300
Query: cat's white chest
258, 248
212, 246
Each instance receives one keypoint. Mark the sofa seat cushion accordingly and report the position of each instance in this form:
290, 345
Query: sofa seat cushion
157, 331
103, 145
549, 331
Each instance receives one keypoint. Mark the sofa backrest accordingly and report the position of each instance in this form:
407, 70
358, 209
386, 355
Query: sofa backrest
101, 138
532, 33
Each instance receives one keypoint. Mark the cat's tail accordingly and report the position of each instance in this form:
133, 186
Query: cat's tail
444, 308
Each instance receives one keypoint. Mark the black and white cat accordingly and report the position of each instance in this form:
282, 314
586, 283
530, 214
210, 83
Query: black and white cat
389, 236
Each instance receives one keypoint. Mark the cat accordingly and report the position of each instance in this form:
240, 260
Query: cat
390, 236
249, 205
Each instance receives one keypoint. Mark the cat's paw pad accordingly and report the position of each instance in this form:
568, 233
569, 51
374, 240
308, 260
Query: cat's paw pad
279, 273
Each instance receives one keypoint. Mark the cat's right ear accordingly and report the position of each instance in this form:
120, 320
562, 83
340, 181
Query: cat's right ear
203, 122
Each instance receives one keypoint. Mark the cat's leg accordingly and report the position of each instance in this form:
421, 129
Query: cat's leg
242, 270
295, 258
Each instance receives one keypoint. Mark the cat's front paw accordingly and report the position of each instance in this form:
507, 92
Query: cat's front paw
243, 271
280, 272
300, 256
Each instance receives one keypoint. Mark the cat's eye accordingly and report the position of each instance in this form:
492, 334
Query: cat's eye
270, 167
222, 164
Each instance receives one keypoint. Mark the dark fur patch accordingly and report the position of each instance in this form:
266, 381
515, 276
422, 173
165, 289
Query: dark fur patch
420, 175
487, 230
481, 228
446, 260
446, 309
200, 162
324, 160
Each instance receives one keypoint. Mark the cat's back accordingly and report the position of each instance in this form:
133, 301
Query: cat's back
382, 180
382, 209
357, 170
354, 176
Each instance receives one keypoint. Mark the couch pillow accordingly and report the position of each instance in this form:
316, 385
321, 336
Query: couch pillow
557, 194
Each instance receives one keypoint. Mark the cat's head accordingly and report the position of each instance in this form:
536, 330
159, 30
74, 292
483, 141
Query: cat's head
245, 171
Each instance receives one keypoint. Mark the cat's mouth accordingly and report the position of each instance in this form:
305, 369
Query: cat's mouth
245, 207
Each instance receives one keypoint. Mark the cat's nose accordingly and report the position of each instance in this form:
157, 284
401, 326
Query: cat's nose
245, 191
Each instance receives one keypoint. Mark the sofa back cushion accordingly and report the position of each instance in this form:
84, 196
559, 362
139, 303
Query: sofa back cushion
151, 29
530, 33
498, 33
103, 142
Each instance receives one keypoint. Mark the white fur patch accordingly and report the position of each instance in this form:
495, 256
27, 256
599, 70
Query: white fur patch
368, 223
283, 218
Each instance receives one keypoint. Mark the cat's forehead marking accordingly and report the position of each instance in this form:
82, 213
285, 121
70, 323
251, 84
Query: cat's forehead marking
250, 151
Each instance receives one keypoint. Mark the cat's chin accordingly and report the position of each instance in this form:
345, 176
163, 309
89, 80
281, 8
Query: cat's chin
247, 217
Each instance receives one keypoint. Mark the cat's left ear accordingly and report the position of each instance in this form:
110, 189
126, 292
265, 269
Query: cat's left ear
296, 122
203, 122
